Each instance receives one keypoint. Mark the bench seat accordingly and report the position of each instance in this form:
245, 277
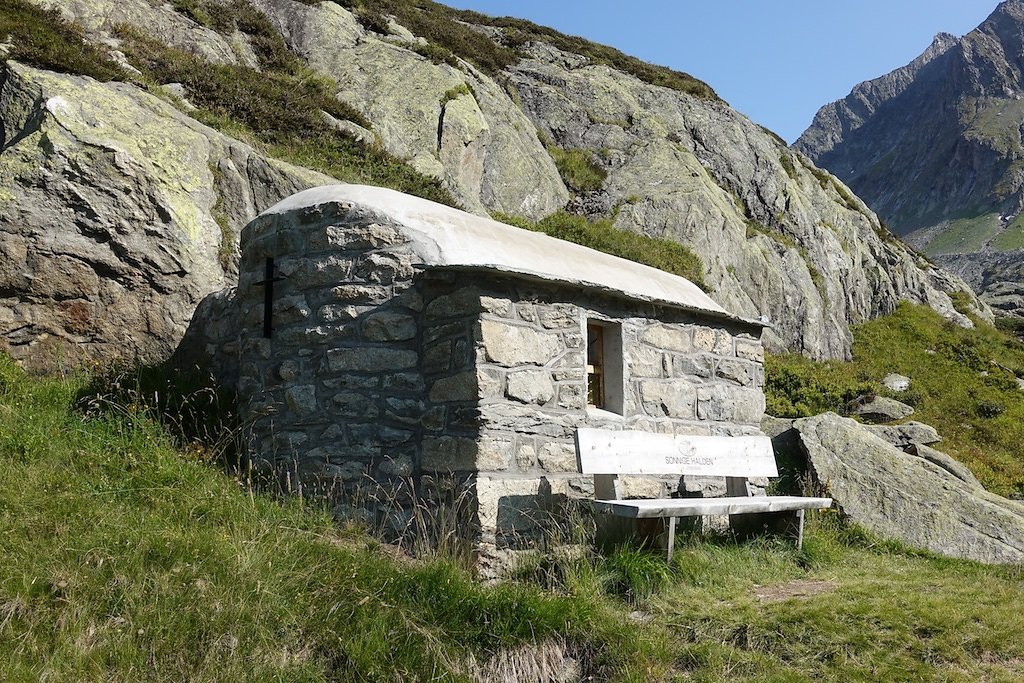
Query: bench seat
694, 507
608, 454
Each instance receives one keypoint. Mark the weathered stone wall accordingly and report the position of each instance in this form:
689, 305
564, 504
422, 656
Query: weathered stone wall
526, 386
382, 379
335, 396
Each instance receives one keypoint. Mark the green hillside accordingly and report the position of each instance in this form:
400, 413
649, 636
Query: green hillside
127, 553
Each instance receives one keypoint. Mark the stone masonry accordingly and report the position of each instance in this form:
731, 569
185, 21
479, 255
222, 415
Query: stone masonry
385, 374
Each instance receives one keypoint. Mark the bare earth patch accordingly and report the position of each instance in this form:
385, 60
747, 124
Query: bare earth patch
793, 589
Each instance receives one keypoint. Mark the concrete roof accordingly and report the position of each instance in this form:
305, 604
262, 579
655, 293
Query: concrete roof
445, 237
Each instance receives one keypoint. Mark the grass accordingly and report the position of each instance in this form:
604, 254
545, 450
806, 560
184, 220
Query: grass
964, 235
578, 169
966, 387
42, 38
125, 555
601, 235
1012, 237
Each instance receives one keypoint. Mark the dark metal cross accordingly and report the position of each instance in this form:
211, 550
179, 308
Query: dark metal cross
267, 283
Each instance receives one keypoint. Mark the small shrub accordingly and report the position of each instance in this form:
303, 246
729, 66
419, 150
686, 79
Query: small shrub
373, 20
456, 92
578, 169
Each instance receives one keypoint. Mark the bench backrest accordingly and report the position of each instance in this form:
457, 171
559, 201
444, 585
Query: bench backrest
601, 451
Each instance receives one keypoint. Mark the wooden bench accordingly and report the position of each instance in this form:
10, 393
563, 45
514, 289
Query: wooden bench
608, 454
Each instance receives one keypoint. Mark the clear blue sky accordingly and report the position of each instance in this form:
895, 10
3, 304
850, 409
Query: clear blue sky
777, 62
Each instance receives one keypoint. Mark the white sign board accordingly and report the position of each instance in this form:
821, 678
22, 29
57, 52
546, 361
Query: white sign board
600, 451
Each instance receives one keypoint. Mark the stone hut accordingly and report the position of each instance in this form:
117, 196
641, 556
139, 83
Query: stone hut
392, 341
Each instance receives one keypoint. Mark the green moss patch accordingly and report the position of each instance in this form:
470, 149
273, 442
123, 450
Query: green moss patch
601, 235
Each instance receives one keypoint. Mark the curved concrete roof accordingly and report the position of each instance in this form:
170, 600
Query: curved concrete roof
445, 237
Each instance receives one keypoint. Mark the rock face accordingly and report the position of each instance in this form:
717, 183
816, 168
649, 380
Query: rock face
778, 237
909, 498
935, 148
107, 232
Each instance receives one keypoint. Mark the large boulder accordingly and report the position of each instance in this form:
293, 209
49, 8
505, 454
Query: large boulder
904, 435
879, 409
909, 498
118, 214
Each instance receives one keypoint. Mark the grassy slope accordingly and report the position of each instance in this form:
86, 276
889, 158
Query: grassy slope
966, 389
124, 558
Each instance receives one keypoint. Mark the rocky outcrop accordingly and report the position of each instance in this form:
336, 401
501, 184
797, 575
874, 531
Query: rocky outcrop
451, 122
909, 498
779, 238
119, 214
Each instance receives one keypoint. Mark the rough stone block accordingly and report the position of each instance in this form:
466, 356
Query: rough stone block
557, 457
724, 344
360, 294
526, 456
494, 454
460, 387
530, 386
645, 362
301, 399
572, 397
703, 339
459, 304
449, 454
372, 236
352, 405
389, 326
507, 505
738, 371
668, 399
397, 467
290, 309
499, 307
716, 403
403, 382
341, 313
369, 359
385, 267
671, 338
288, 371
512, 345
559, 316
702, 366
404, 410
438, 358
491, 382
749, 350
434, 332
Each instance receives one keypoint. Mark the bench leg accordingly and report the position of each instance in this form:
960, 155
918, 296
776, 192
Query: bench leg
800, 529
671, 537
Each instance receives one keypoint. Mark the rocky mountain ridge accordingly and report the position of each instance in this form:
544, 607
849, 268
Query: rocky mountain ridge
165, 195
936, 148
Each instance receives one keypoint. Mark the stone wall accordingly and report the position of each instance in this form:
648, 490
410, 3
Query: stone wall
525, 386
382, 378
